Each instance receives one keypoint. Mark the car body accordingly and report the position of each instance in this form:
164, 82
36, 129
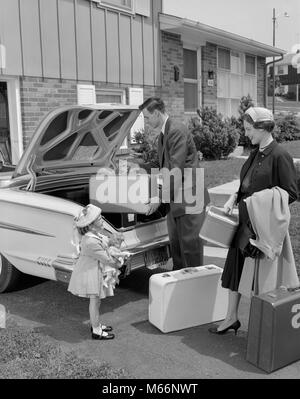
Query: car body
50, 186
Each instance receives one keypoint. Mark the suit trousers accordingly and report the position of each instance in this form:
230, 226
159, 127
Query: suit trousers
186, 245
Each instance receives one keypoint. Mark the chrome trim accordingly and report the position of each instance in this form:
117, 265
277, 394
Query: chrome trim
65, 260
139, 224
149, 245
39, 207
8, 226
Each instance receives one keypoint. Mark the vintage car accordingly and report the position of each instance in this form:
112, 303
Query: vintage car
51, 184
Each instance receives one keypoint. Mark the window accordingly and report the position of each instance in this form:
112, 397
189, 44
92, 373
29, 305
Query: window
190, 80
282, 70
250, 64
223, 58
235, 60
112, 96
125, 5
236, 77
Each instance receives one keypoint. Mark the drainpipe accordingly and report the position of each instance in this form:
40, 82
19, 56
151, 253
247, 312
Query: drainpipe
266, 77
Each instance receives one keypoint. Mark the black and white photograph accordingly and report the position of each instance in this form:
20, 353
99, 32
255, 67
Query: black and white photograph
149, 193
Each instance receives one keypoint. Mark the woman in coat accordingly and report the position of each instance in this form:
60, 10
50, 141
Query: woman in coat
269, 165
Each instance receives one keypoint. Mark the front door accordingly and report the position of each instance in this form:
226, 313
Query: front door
5, 146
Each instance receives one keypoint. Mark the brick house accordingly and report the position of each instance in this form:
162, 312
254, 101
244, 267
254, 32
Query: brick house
287, 77
62, 52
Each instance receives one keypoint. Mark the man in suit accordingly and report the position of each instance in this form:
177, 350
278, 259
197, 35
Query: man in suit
183, 184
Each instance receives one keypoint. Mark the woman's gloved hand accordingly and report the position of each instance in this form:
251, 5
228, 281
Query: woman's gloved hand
228, 206
252, 251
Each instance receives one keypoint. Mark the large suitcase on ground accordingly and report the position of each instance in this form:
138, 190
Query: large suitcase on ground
274, 329
187, 298
218, 228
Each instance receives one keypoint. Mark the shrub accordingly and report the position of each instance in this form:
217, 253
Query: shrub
245, 103
146, 148
286, 127
215, 138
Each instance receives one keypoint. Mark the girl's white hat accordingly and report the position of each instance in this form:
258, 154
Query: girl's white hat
87, 216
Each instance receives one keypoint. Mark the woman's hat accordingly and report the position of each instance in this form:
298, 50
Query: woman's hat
87, 216
259, 114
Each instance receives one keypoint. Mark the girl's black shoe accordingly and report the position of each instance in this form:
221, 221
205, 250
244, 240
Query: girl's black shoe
106, 328
235, 326
103, 336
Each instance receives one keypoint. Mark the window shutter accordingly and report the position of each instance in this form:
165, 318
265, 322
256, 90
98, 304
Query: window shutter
142, 7
86, 94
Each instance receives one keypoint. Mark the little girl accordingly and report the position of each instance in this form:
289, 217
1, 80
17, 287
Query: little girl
96, 271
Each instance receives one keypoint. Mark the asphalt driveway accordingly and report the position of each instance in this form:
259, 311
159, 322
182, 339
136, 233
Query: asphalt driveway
141, 349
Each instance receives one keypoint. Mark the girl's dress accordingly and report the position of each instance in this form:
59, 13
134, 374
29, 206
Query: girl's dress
95, 272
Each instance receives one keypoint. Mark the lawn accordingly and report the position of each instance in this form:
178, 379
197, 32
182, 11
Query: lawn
220, 172
292, 147
27, 354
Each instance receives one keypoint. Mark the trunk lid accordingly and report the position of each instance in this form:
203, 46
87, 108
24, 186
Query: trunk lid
78, 136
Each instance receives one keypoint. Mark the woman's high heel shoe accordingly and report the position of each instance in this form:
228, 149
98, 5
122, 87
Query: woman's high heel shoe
235, 326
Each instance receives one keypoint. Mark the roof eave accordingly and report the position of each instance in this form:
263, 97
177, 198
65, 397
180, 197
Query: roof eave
199, 32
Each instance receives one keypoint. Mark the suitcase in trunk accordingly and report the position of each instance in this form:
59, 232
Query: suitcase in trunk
186, 298
274, 329
128, 194
218, 228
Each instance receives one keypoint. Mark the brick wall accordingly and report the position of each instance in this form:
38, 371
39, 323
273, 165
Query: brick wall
40, 96
172, 92
209, 63
261, 82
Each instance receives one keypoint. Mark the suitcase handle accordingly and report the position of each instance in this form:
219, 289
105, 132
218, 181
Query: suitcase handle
293, 289
189, 270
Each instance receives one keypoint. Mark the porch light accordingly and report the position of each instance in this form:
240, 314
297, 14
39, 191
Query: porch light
211, 74
176, 73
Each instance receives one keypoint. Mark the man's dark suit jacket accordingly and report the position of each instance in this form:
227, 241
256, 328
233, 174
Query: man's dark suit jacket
274, 168
176, 149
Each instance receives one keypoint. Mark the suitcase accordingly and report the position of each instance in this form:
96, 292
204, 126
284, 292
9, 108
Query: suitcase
218, 228
128, 194
274, 329
186, 298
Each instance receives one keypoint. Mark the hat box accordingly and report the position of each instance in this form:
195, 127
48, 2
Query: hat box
218, 227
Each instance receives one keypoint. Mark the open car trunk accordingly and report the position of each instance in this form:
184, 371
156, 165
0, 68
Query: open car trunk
80, 194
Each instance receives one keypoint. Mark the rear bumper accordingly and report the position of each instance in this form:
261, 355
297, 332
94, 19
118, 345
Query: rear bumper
144, 255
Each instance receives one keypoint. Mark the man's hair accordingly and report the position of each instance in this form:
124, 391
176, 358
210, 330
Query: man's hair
153, 103
265, 125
